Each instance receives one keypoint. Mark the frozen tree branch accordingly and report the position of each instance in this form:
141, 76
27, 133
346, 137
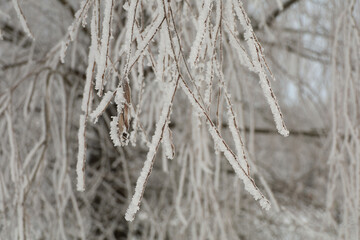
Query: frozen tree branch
67, 124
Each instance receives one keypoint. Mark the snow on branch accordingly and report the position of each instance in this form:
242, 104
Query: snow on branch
80, 15
167, 64
204, 15
150, 158
258, 60
114, 131
150, 33
22, 19
80, 166
130, 29
223, 147
105, 45
86, 105
105, 101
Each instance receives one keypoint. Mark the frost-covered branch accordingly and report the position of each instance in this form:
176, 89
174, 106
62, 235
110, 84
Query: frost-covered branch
150, 158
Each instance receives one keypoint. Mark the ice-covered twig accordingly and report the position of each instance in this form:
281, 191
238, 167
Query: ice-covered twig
258, 61
150, 158
22, 19
80, 166
130, 30
145, 42
73, 28
223, 147
105, 46
105, 101
86, 103
204, 14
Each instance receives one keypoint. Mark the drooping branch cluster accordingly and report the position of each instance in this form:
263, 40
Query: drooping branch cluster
172, 87
172, 68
